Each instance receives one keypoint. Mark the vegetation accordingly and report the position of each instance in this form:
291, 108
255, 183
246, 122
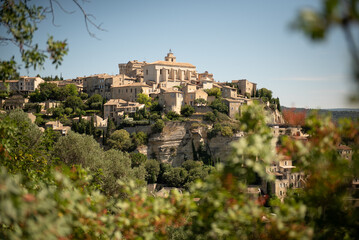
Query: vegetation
187, 110
158, 126
214, 92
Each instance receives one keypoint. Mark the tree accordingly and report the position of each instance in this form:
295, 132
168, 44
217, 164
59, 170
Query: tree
95, 101
187, 110
120, 139
74, 102
158, 126
265, 93
144, 99
71, 90
20, 20
139, 138
137, 159
219, 105
172, 115
175, 177
200, 101
153, 170
214, 92
294, 117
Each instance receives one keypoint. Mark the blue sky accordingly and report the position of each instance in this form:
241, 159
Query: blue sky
231, 39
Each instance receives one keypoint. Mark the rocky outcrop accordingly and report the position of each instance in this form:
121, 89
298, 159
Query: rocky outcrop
181, 141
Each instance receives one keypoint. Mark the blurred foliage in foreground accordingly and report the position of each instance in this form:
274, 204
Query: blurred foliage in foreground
42, 198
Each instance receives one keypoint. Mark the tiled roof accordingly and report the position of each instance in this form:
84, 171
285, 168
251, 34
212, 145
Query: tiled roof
174, 64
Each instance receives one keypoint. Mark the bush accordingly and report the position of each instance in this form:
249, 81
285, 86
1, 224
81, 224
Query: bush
137, 159
139, 138
153, 170
219, 105
158, 126
171, 115
120, 140
210, 117
175, 177
226, 131
187, 110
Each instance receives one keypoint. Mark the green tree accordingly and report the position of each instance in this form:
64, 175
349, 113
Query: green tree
158, 126
175, 177
214, 92
120, 139
74, 102
137, 159
187, 110
144, 99
265, 93
219, 105
139, 138
153, 170
95, 101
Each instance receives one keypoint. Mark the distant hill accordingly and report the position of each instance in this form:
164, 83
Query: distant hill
336, 113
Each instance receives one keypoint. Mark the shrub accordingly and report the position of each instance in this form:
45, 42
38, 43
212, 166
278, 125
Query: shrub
137, 159
158, 126
210, 117
139, 138
187, 110
171, 115
120, 140
153, 170
175, 177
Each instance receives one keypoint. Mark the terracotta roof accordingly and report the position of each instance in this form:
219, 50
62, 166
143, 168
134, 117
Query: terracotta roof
137, 84
115, 101
343, 147
174, 64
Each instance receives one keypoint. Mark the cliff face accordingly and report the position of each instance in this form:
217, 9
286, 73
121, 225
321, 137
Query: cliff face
181, 141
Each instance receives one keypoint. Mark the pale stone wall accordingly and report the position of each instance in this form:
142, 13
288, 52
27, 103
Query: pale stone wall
245, 86
129, 92
172, 101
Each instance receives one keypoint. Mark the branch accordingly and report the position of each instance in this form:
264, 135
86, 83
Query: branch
88, 20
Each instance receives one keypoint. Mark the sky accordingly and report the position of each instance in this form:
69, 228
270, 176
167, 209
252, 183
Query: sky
233, 40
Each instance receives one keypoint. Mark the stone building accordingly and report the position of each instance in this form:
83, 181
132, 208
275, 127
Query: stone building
171, 100
245, 87
132, 69
229, 92
191, 94
233, 106
58, 127
129, 92
24, 84
285, 178
16, 101
102, 83
168, 72
117, 108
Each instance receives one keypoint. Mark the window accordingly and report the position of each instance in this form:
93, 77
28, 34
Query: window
146, 72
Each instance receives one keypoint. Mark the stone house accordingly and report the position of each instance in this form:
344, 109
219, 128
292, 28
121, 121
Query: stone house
129, 92
229, 92
285, 178
58, 127
171, 100
132, 69
233, 106
24, 84
190, 97
245, 87
117, 108
102, 83
16, 101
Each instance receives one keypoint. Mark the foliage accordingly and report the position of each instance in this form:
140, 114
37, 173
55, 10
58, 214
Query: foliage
137, 159
187, 110
156, 107
294, 117
265, 94
144, 99
219, 105
139, 138
153, 170
120, 139
95, 101
172, 115
200, 101
214, 92
175, 177
74, 102
158, 126
210, 116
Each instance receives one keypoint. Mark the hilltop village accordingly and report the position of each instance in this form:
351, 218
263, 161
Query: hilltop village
173, 113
